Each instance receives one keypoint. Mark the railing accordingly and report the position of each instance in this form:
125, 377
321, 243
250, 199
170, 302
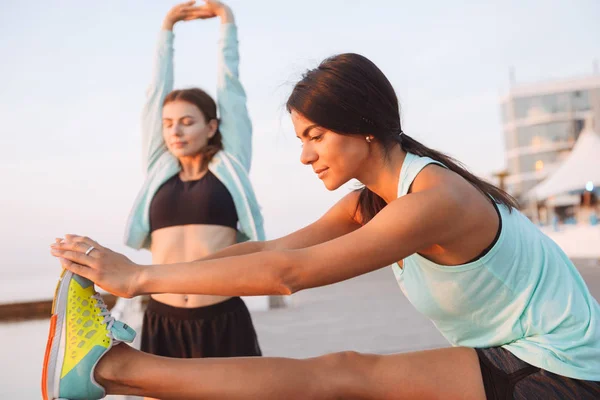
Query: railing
32, 310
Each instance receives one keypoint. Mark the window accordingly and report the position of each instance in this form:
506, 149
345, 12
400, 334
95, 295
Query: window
539, 165
578, 100
547, 104
539, 135
537, 162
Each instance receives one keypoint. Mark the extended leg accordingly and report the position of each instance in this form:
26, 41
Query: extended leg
445, 373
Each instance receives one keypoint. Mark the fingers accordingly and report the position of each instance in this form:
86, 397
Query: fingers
74, 256
184, 5
83, 239
78, 247
78, 269
199, 15
196, 10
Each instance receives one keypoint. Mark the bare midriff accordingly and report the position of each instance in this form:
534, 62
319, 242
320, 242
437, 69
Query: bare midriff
176, 244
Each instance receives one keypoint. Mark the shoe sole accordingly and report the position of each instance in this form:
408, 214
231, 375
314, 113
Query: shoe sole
55, 347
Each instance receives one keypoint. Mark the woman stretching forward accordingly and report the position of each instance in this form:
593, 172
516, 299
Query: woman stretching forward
521, 318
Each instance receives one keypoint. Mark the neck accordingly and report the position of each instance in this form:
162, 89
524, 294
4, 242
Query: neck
191, 167
383, 175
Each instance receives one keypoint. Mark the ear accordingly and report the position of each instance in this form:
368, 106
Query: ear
213, 125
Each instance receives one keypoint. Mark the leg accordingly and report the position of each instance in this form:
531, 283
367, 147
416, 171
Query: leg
445, 373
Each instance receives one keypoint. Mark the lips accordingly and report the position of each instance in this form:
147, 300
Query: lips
321, 172
178, 144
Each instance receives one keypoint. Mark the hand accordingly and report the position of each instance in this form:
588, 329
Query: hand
187, 12
219, 9
112, 271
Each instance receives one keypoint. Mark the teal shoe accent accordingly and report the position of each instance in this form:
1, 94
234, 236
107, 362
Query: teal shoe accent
83, 282
122, 332
79, 383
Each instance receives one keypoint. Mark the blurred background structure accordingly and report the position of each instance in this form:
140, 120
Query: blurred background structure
541, 123
552, 148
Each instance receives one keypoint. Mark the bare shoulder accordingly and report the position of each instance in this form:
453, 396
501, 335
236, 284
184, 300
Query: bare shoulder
453, 187
469, 212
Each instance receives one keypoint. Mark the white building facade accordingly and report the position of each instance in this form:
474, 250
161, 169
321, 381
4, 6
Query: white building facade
541, 123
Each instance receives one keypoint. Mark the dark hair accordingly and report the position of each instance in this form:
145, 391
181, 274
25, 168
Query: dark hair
349, 95
208, 107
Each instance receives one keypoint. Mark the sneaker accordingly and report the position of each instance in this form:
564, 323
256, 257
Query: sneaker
81, 332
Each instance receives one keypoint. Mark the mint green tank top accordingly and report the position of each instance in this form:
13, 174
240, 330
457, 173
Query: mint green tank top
524, 295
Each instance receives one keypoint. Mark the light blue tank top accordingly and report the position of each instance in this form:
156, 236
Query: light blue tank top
524, 295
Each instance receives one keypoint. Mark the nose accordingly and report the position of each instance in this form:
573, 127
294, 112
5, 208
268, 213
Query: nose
176, 130
308, 155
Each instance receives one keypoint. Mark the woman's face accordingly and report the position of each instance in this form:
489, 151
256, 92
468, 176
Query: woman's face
333, 157
185, 129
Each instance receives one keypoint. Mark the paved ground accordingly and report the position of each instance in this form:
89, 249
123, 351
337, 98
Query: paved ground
367, 314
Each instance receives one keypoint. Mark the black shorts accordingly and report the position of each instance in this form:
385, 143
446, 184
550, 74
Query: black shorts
507, 377
219, 330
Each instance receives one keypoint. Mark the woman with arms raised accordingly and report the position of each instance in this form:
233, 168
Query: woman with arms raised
196, 191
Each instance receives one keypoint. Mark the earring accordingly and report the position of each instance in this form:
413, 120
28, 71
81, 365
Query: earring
369, 139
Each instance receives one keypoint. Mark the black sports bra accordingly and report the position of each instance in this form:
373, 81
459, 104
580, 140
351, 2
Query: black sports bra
205, 201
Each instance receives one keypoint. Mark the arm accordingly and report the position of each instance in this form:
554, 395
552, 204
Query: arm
235, 125
153, 145
117, 269
406, 226
338, 221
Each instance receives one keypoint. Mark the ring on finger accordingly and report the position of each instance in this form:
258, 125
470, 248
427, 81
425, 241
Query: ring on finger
88, 251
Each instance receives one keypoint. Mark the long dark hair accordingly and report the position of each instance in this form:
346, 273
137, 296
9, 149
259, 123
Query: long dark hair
208, 107
349, 95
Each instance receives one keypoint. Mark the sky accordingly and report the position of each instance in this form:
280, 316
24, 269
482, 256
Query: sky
74, 73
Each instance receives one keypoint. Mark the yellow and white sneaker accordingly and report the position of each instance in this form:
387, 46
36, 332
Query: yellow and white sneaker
81, 332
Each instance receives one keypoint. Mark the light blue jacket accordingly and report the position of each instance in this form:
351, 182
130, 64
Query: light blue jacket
230, 165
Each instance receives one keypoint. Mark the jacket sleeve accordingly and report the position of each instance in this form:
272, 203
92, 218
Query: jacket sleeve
153, 145
235, 124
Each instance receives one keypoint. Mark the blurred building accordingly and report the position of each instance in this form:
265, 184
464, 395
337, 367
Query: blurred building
541, 123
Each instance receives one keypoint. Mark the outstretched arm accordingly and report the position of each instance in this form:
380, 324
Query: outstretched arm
162, 80
407, 225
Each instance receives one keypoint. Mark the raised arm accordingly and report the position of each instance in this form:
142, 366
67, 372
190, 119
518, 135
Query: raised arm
161, 82
235, 124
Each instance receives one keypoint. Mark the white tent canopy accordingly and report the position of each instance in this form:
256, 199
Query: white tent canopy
581, 167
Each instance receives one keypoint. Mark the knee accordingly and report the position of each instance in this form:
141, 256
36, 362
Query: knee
340, 360
344, 374
346, 366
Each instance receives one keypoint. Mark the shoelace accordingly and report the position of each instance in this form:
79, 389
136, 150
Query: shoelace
104, 312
